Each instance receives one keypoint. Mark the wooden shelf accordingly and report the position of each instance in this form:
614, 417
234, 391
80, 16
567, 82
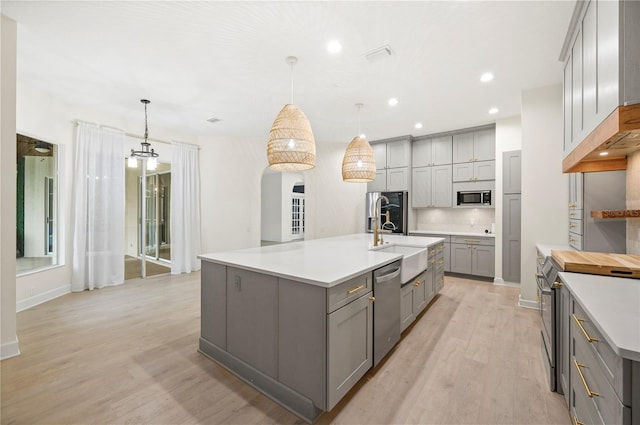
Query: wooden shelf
615, 214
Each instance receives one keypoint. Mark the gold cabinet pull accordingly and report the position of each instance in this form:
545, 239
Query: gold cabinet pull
576, 421
584, 331
356, 289
572, 214
372, 299
472, 240
416, 283
557, 284
579, 367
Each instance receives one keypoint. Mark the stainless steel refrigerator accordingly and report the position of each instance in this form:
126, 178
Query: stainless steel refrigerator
397, 208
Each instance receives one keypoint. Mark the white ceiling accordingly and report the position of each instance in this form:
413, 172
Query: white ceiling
198, 60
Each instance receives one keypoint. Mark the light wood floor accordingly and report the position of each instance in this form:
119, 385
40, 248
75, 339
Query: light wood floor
127, 354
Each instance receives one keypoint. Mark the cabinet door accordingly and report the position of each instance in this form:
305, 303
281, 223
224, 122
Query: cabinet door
484, 170
430, 285
575, 191
213, 304
463, 172
462, 147
421, 187
483, 261
420, 292
397, 179
576, 97
484, 145
441, 188
380, 183
380, 155
460, 258
252, 319
563, 345
608, 52
406, 307
447, 257
511, 218
567, 104
441, 150
399, 154
511, 176
350, 346
589, 68
421, 154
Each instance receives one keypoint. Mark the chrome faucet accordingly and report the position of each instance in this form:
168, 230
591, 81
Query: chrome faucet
377, 231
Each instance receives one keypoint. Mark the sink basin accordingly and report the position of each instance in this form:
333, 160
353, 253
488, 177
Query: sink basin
414, 259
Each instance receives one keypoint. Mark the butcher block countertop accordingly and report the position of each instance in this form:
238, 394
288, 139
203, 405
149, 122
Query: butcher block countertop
619, 265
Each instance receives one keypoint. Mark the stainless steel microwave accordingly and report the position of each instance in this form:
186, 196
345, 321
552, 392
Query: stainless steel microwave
474, 197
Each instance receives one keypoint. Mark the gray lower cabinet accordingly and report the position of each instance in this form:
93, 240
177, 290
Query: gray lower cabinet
303, 345
563, 341
407, 314
417, 294
473, 256
350, 347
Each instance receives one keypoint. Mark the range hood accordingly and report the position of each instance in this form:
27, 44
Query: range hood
618, 135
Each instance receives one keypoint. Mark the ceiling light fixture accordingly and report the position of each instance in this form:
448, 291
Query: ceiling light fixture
358, 164
334, 46
605, 153
42, 147
145, 154
493, 111
291, 146
393, 101
418, 125
486, 77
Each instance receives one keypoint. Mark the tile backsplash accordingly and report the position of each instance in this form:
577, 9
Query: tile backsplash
475, 220
633, 203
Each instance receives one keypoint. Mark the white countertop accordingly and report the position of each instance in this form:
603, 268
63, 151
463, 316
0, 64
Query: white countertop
546, 249
440, 232
614, 305
323, 262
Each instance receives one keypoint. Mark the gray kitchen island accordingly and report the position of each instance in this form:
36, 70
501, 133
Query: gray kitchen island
296, 320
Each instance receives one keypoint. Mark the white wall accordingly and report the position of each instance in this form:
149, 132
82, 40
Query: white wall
475, 220
8, 44
544, 187
508, 138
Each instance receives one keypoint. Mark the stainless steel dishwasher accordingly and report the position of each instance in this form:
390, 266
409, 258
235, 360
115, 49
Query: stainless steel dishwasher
386, 310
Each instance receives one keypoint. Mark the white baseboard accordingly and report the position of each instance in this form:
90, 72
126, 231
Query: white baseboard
528, 303
41, 298
501, 282
10, 349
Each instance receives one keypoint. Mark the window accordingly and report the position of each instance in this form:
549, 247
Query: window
297, 212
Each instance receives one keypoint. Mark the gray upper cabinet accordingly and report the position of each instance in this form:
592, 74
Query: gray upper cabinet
393, 158
431, 187
432, 151
601, 54
511, 172
476, 146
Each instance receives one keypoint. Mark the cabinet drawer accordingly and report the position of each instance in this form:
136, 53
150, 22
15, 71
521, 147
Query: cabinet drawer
348, 291
575, 226
583, 330
575, 241
575, 214
588, 378
583, 409
473, 240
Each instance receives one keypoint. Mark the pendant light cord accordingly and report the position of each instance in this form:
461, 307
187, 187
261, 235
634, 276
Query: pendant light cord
146, 129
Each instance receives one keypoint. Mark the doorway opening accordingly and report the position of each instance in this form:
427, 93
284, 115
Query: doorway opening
147, 216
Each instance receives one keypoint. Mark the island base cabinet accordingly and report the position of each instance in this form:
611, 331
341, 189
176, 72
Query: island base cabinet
407, 316
213, 304
350, 347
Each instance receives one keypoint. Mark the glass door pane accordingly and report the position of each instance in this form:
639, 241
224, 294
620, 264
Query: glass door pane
151, 219
164, 218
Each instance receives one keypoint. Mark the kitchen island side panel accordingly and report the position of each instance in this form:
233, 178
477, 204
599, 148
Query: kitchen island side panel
213, 303
302, 339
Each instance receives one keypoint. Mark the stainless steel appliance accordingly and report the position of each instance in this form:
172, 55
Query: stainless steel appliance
474, 197
386, 310
548, 284
397, 209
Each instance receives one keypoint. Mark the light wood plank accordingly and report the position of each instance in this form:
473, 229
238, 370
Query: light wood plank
127, 354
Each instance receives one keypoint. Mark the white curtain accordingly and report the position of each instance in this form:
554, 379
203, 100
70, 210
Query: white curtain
98, 231
185, 208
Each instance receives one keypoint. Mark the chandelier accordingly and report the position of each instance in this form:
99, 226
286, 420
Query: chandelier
145, 153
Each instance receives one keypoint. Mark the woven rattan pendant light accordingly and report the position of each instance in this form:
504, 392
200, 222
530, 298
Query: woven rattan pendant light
358, 164
291, 146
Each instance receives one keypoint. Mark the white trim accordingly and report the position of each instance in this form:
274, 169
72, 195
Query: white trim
41, 298
498, 281
528, 303
10, 349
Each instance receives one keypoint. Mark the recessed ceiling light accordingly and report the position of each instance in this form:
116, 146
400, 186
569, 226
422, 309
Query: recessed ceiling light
393, 101
334, 46
418, 125
605, 153
493, 111
486, 77
363, 136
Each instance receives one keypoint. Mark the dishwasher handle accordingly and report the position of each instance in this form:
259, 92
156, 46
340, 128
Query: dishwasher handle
387, 277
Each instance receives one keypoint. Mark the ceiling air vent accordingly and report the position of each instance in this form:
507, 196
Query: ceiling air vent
379, 53
214, 120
